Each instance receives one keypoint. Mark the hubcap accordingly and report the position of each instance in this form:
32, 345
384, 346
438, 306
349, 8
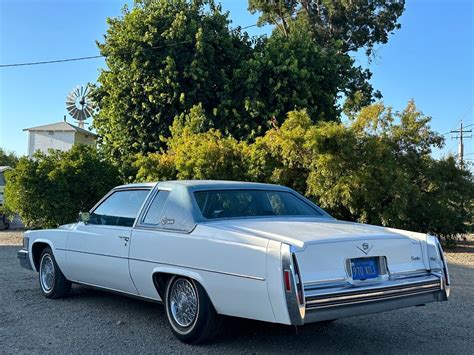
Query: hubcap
183, 302
47, 273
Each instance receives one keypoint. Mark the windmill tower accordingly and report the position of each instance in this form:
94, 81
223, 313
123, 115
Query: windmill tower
79, 104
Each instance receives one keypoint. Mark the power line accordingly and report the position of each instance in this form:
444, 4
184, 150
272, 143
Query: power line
101, 56
50, 61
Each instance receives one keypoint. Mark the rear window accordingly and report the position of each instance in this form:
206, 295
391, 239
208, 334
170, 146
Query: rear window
251, 203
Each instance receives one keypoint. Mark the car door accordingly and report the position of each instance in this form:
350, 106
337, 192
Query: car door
97, 251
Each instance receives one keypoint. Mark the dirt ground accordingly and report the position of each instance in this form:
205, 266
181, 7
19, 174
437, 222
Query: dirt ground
93, 321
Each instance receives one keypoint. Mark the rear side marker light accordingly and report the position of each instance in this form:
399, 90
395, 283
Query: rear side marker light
287, 277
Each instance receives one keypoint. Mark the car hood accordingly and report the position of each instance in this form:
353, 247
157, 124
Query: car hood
302, 231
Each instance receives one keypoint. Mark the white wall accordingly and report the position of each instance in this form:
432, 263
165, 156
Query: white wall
44, 140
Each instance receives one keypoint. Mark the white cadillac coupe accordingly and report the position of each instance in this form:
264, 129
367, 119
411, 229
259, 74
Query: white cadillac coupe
258, 251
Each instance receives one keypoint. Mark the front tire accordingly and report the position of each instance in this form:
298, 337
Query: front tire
52, 281
189, 310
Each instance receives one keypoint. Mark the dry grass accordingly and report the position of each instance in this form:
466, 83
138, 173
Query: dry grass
11, 237
463, 253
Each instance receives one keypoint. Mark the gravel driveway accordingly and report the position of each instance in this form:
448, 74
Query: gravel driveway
92, 321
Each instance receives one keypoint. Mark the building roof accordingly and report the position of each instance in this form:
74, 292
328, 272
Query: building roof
4, 168
62, 126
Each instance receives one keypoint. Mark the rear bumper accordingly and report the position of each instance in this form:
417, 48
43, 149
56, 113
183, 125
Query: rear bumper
327, 301
24, 258
355, 309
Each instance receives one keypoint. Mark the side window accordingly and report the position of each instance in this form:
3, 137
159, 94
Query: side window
156, 208
119, 209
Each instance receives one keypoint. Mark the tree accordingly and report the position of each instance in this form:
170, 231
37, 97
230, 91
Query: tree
353, 24
341, 26
8, 158
163, 58
377, 169
51, 189
291, 73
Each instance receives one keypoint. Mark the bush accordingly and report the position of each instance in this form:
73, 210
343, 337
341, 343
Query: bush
195, 153
8, 158
376, 169
51, 189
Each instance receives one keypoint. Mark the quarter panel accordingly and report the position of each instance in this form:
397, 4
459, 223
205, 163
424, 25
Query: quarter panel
276, 292
231, 267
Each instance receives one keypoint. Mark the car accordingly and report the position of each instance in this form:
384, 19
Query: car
211, 248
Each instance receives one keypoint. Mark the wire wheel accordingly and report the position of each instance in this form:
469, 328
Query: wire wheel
183, 302
47, 273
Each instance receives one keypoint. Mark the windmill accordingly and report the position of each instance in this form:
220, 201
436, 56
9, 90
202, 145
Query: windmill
79, 104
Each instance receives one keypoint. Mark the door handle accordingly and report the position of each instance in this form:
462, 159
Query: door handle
124, 238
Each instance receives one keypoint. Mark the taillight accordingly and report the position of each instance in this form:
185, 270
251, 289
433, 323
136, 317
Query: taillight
287, 277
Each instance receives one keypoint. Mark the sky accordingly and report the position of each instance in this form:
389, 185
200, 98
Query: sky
430, 59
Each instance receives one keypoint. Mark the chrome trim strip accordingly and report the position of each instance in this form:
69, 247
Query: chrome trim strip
133, 295
163, 230
377, 294
169, 264
325, 285
349, 288
421, 288
366, 301
309, 284
343, 282
389, 297
295, 311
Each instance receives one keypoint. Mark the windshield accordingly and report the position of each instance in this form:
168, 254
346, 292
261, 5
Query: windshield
251, 203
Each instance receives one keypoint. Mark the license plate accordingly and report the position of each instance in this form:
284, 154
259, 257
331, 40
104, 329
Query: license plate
364, 268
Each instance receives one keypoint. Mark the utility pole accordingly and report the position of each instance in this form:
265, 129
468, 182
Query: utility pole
461, 138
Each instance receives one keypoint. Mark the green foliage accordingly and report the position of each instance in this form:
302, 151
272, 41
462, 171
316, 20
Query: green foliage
166, 57
50, 190
292, 72
340, 27
352, 24
194, 153
8, 158
163, 58
376, 169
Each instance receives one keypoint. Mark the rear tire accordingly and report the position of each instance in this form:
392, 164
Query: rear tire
52, 281
189, 310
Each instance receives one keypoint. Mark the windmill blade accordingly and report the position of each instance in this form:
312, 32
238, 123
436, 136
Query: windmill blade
73, 112
80, 111
88, 112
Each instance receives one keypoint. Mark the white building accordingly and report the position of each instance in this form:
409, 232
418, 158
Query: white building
61, 136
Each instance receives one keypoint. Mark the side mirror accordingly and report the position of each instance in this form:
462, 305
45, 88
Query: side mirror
84, 217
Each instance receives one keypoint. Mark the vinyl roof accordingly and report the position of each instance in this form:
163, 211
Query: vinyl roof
220, 184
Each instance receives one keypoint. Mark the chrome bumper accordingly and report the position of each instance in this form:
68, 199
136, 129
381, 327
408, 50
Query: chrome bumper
327, 301
24, 259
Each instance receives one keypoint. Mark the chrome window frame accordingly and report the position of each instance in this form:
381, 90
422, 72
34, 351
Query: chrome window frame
120, 189
146, 207
317, 209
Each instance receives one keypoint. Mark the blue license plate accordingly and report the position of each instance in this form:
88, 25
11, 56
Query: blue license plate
364, 268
